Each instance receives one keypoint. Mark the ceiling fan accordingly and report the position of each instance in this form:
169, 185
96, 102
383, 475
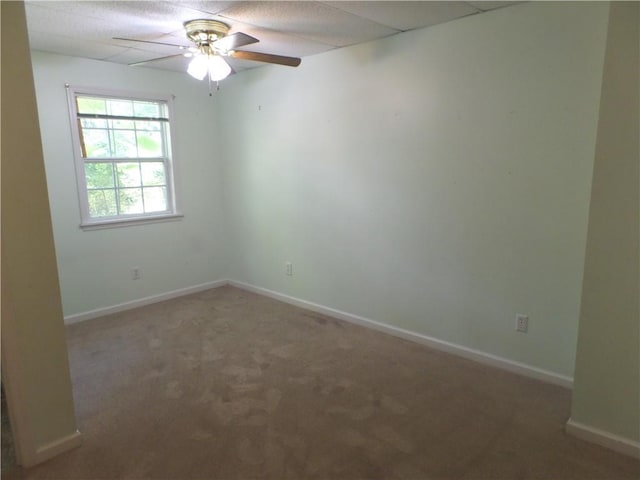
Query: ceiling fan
212, 42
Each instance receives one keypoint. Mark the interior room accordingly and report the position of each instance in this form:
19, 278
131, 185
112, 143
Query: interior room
447, 186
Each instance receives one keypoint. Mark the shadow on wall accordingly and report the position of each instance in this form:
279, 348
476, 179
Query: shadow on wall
8, 452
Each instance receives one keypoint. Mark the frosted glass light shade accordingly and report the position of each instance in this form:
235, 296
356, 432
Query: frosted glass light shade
218, 68
214, 65
198, 67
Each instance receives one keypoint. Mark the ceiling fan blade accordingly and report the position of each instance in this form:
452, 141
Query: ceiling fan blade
144, 62
149, 41
234, 40
266, 57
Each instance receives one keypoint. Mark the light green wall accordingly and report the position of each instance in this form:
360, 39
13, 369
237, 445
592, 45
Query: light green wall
35, 366
437, 180
607, 377
95, 265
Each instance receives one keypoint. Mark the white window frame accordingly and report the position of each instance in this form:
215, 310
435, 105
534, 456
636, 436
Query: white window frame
86, 221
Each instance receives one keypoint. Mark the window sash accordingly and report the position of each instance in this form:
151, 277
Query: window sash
106, 116
115, 136
141, 187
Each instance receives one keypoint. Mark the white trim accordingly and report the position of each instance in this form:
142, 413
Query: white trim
27, 452
466, 352
603, 438
14, 385
56, 447
141, 302
459, 350
129, 222
86, 221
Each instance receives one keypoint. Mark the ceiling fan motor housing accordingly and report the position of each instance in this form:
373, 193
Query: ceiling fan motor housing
204, 32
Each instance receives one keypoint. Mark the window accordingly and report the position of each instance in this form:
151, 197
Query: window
123, 157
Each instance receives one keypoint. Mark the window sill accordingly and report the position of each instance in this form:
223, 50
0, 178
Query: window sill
120, 222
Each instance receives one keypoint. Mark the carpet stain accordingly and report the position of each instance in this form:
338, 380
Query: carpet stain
241, 372
273, 399
284, 351
332, 386
358, 414
250, 452
258, 357
393, 405
392, 437
222, 410
254, 421
173, 390
221, 326
244, 405
189, 360
351, 437
242, 388
211, 355
156, 372
303, 380
316, 318
200, 436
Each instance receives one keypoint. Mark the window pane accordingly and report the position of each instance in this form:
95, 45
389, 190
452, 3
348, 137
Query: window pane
93, 123
91, 105
125, 144
155, 199
102, 203
120, 107
149, 144
99, 175
122, 124
152, 173
128, 174
148, 125
130, 200
96, 143
146, 109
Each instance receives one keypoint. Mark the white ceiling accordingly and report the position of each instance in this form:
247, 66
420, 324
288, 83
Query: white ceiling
293, 28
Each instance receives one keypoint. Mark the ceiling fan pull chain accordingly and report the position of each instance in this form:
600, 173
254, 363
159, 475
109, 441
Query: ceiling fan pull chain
217, 87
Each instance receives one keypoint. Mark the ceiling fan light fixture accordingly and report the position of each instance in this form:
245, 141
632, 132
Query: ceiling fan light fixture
198, 67
211, 43
218, 68
214, 65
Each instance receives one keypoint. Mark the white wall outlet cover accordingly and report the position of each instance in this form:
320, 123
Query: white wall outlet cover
522, 323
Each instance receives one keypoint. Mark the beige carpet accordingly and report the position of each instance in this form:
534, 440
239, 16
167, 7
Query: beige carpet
227, 384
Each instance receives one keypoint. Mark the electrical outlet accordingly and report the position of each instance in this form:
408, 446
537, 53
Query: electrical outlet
135, 273
288, 268
522, 323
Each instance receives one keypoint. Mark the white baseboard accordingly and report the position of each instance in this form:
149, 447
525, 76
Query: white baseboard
55, 448
603, 438
99, 312
470, 353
